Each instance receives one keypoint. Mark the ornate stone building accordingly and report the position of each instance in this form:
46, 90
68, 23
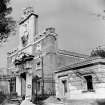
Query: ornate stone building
37, 57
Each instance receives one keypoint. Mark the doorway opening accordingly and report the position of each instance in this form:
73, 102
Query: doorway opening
89, 82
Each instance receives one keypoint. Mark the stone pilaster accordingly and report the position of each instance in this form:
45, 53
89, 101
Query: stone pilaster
29, 86
18, 85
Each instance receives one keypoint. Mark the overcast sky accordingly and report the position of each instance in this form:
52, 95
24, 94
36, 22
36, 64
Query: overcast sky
80, 24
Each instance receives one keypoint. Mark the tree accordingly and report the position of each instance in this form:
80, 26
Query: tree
98, 52
7, 24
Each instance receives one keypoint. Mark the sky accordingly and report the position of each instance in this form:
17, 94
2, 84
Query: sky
80, 24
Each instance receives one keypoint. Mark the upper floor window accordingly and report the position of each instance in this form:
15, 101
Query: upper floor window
38, 47
38, 65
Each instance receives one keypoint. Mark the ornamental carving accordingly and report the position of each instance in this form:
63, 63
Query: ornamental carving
23, 58
28, 11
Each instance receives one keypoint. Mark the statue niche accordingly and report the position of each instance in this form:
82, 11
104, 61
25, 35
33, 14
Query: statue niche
24, 39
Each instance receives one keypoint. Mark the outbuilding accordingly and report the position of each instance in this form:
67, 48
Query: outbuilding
82, 80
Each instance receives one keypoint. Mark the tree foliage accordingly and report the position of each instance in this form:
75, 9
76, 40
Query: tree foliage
7, 24
98, 52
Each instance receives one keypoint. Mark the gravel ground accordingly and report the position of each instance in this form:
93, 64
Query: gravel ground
54, 101
85, 102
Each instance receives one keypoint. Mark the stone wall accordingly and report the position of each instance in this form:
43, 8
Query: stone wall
64, 60
4, 86
77, 85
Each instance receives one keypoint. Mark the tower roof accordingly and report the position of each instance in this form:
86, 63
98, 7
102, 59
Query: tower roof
27, 13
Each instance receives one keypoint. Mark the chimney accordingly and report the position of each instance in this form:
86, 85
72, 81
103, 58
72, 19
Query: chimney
50, 30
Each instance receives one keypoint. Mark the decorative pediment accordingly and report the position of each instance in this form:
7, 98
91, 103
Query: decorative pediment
23, 58
26, 12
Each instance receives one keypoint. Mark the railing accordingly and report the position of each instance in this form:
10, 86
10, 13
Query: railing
5, 77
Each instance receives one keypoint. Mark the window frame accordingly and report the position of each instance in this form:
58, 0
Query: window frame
86, 83
65, 85
38, 66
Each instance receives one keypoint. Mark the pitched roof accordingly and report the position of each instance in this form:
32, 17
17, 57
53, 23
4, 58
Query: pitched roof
89, 60
70, 53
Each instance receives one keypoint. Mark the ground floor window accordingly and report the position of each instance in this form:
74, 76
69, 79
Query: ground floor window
65, 85
89, 82
13, 85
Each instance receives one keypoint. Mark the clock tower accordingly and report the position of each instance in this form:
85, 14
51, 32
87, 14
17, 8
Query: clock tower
27, 28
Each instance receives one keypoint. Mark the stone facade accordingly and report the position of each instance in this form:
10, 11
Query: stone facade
82, 80
37, 76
